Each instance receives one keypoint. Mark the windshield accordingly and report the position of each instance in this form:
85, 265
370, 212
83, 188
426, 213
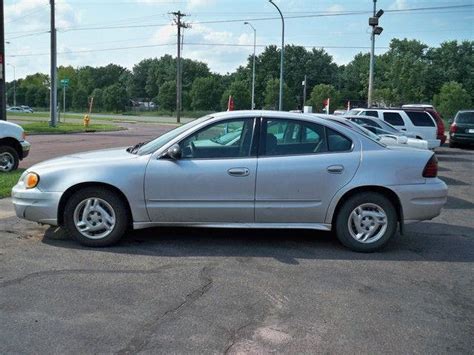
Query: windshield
465, 117
357, 127
157, 143
387, 126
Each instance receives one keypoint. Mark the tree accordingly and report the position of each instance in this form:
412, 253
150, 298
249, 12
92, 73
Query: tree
115, 98
320, 93
205, 94
452, 98
166, 98
241, 95
98, 95
79, 99
272, 96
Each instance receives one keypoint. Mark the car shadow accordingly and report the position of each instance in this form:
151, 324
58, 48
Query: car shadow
454, 159
453, 182
444, 243
456, 203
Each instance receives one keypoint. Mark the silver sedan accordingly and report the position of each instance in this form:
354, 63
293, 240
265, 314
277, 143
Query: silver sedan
244, 169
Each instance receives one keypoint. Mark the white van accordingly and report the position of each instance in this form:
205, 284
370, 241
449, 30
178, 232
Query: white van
417, 122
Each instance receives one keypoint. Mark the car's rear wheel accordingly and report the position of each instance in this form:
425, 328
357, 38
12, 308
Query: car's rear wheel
96, 217
9, 159
366, 222
452, 144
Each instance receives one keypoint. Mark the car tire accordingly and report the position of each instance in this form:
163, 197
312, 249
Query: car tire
369, 210
9, 159
453, 144
96, 207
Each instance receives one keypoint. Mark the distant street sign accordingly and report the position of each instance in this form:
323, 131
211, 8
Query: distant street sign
65, 82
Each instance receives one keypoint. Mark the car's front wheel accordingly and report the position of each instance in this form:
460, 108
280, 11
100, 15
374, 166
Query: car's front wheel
366, 222
96, 217
9, 159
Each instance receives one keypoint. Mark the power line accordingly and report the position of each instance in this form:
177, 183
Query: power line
314, 15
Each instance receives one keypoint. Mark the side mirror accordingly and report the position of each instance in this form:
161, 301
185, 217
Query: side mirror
174, 152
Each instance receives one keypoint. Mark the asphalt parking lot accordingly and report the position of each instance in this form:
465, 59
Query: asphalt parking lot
234, 291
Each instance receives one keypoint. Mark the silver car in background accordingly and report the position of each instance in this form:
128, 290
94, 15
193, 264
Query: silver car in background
271, 170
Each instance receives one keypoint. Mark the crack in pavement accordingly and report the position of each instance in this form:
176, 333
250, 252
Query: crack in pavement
83, 271
234, 337
142, 337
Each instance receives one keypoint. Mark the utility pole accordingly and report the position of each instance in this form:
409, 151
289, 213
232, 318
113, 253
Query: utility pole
3, 109
253, 67
178, 15
282, 55
376, 30
53, 93
304, 92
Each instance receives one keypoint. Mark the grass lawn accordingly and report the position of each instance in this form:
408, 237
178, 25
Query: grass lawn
7, 181
43, 127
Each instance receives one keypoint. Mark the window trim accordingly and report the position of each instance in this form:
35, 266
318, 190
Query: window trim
252, 140
263, 139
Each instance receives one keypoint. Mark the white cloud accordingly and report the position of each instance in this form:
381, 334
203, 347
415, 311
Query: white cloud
193, 4
399, 5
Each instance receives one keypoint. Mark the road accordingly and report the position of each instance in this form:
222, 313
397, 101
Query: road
222, 291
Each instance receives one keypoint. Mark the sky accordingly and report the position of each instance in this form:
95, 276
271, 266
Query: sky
99, 32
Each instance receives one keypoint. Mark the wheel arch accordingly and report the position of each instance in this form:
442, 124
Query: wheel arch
385, 191
73, 189
14, 143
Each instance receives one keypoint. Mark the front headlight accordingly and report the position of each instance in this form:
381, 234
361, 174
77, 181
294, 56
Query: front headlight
31, 180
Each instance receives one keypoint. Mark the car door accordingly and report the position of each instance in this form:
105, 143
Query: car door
301, 166
213, 182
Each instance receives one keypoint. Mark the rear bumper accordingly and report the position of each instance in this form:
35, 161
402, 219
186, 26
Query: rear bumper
433, 143
35, 205
422, 201
461, 138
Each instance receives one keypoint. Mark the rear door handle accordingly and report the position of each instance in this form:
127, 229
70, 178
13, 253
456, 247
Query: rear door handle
238, 171
335, 169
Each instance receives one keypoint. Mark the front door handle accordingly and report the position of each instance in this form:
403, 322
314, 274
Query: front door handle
335, 169
238, 171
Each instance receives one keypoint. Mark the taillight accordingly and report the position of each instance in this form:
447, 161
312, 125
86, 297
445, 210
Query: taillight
453, 128
431, 168
440, 126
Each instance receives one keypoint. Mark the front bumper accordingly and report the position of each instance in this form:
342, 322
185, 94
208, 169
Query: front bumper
36, 205
25, 148
422, 201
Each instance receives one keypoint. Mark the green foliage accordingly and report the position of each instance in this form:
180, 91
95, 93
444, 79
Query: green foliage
205, 94
166, 98
272, 96
8, 180
452, 98
240, 91
114, 98
320, 93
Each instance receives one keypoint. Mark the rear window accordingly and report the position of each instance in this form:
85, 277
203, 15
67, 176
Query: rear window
421, 119
337, 142
393, 118
465, 117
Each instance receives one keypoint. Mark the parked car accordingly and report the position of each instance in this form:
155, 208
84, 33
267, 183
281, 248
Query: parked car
13, 146
375, 122
417, 121
27, 108
380, 135
286, 170
462, 129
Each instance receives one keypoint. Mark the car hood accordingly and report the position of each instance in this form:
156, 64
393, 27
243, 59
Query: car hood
95, 157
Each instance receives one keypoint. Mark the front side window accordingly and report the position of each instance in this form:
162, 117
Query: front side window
370, 113
227, 139
393, 118
291, 137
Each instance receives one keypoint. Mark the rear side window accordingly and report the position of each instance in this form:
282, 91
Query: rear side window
421, 119
337, 142
370, 113
393, 118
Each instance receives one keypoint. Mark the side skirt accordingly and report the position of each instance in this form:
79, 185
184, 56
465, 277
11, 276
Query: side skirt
315, 226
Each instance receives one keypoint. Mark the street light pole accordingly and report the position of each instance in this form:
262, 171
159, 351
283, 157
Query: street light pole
253, 69
53, 93
280, 100
376, 30
14, 83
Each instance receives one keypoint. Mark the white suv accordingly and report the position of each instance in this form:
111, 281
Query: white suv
417, 122
13, 146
